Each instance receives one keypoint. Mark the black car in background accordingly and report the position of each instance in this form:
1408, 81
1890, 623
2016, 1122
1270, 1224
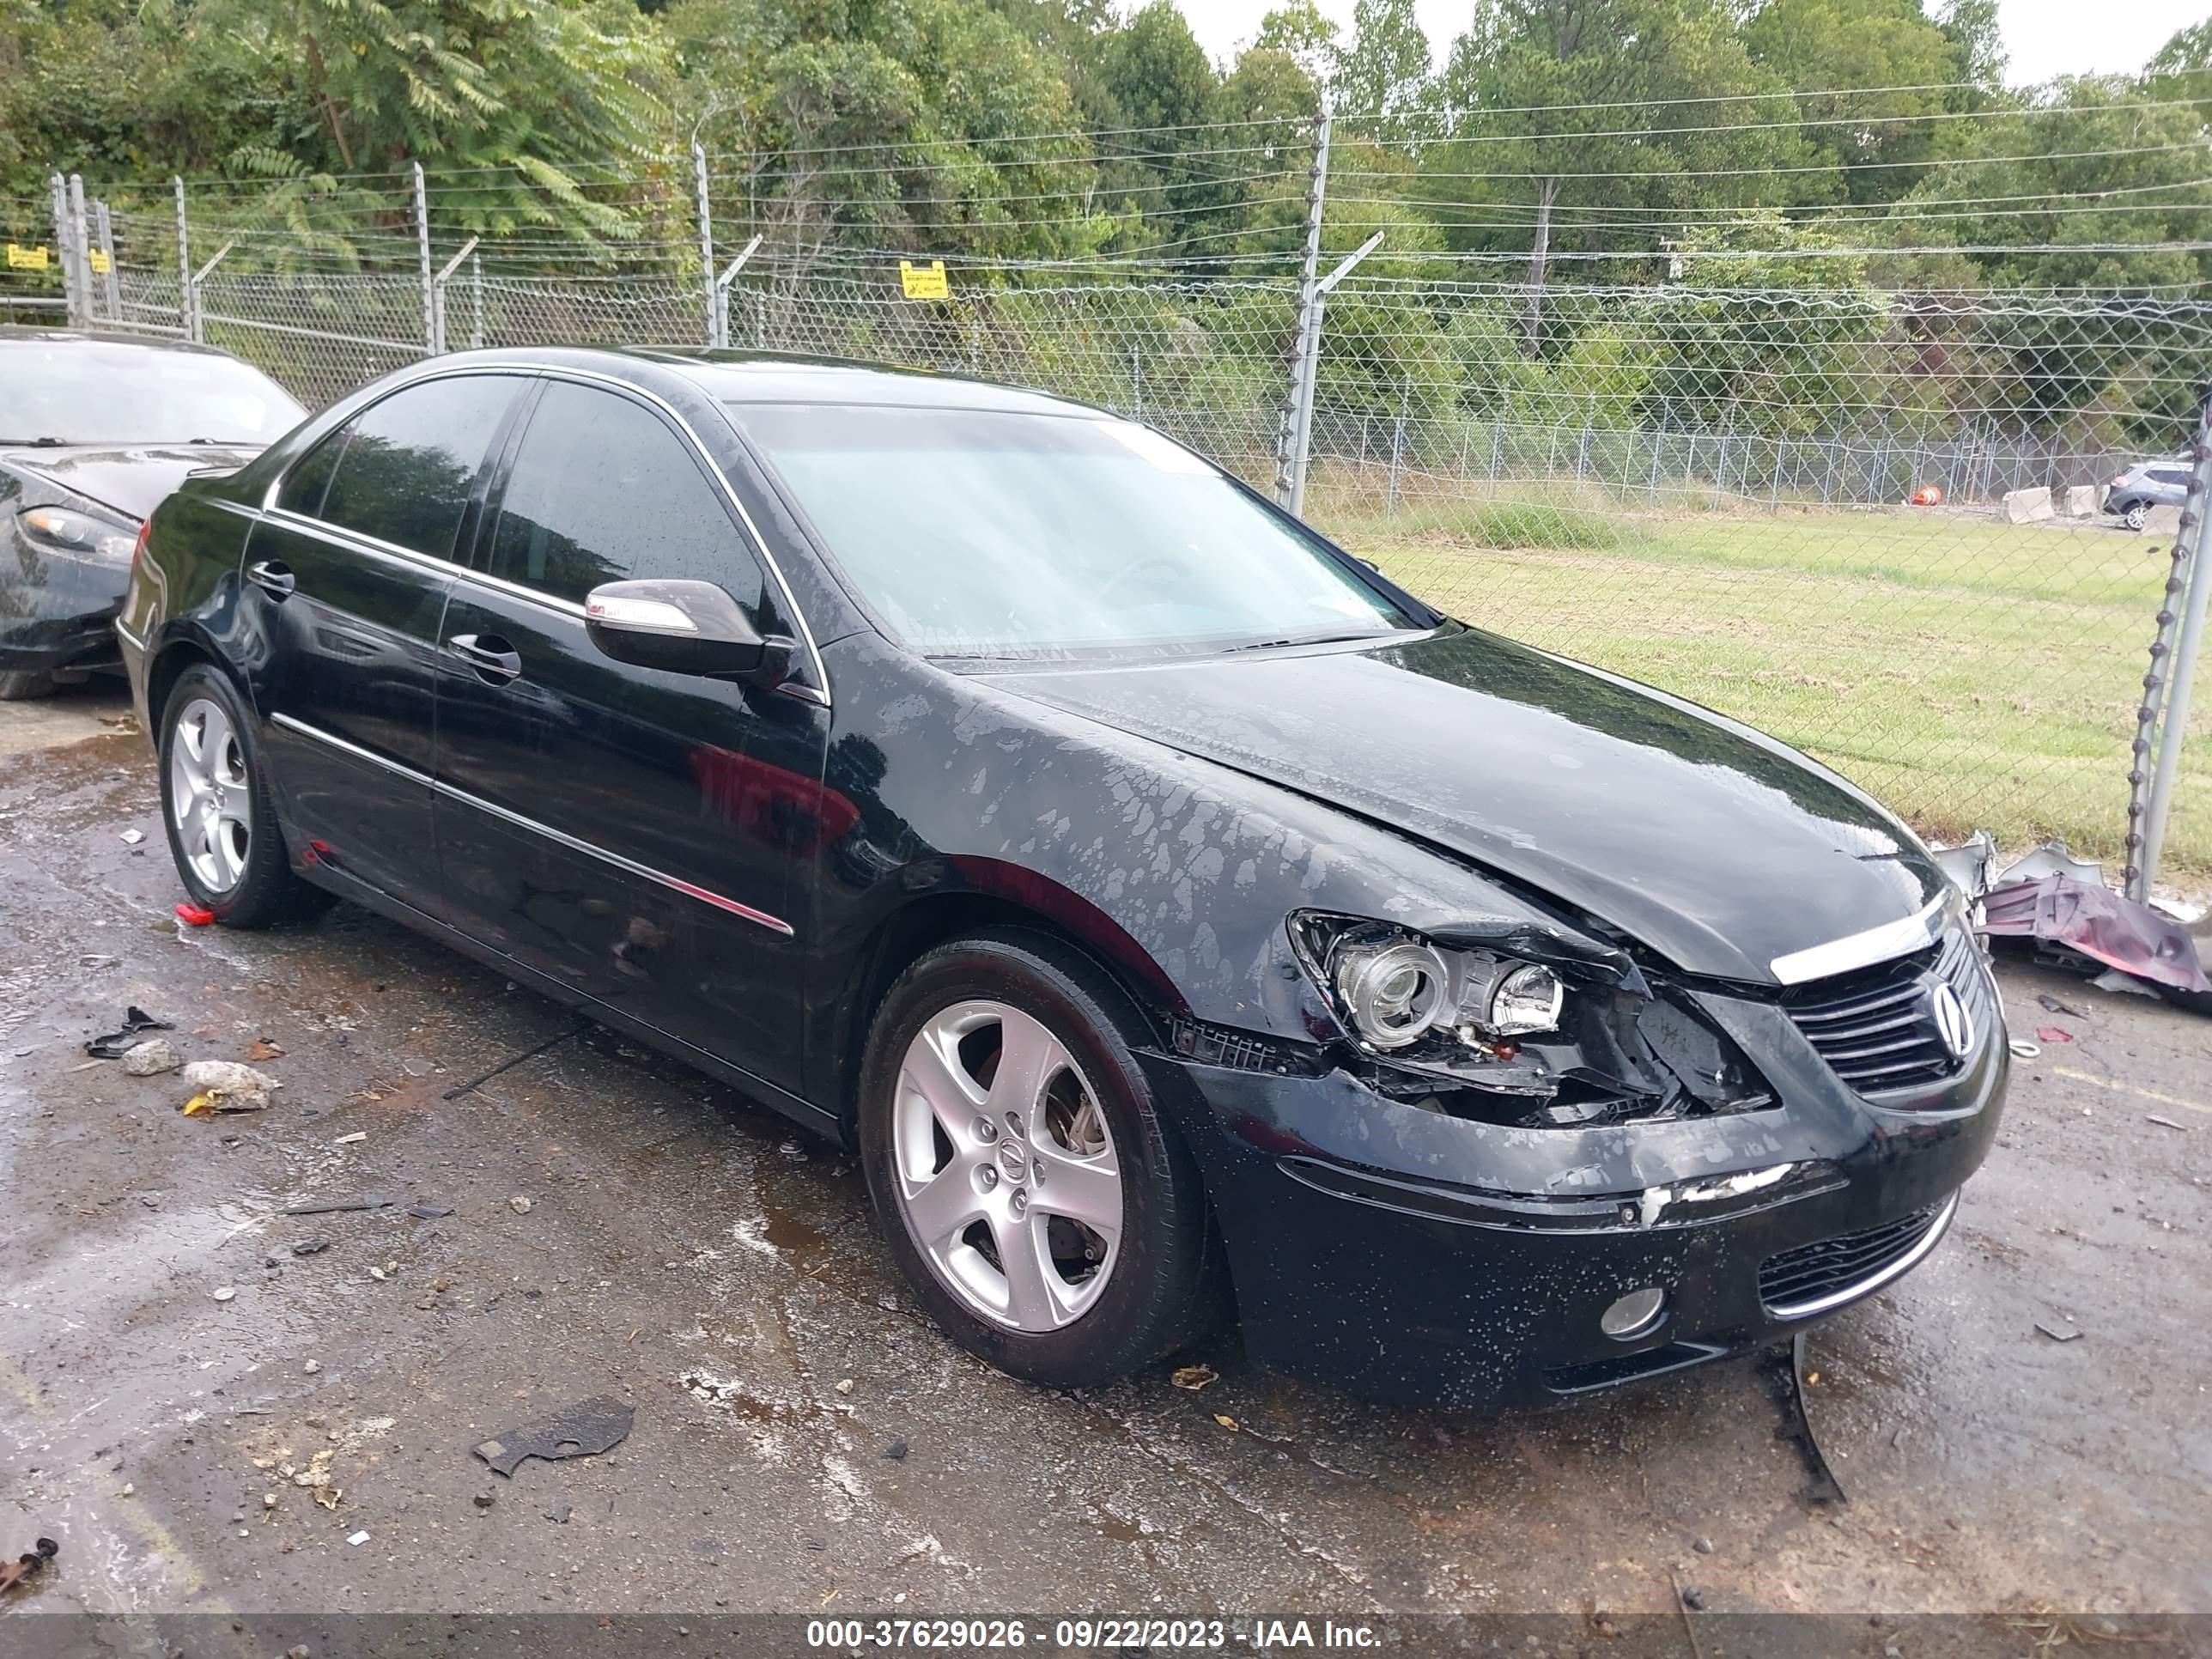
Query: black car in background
94, 430
1170, 910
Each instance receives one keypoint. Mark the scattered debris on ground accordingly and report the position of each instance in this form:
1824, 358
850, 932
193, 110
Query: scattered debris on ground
262, 1048
1822, 1488
341, 1205
2084, 926
114, 1045
151, 1058
581, 1431
195, 916
2058, 1330
519, 1203
429, 1211
28, 1564
1194, 1377
225, 1085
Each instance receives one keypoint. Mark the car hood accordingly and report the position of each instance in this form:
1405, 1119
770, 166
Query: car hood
1718, 848
129, 479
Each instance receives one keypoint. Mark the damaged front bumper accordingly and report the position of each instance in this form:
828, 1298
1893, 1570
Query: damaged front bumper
63, 620
1423, 1258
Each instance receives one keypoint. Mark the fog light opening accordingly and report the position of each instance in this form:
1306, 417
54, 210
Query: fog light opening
1638, 1313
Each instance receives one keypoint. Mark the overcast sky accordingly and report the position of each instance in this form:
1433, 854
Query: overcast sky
2043, 37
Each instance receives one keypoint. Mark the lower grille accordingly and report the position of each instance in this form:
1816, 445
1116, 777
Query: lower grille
1815, 1276
1877, 1028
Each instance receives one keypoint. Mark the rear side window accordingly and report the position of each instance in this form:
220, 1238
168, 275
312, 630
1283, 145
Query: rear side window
2169, 475
305, 484
603, 490
409, 461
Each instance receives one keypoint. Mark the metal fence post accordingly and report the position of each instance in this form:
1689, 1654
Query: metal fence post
422, 259
2173, 726
476, 303
1296, 433
58, 192
1396, 463
722, 288
104, 229
192, 306
714, 334
183, 263
80, 245
438, 296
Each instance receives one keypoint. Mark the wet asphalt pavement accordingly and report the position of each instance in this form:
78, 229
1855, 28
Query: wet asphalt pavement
689, 1253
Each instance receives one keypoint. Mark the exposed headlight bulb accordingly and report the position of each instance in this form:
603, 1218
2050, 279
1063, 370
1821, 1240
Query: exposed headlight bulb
1527, 999
1394, 993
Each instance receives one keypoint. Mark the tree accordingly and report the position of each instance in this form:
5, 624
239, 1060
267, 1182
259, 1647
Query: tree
1823, 48
1382, 71
1602, 108
1164, 82
1301, 31
512, 96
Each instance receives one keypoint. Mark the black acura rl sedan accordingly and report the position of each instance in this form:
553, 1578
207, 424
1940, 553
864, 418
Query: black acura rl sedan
1175, 914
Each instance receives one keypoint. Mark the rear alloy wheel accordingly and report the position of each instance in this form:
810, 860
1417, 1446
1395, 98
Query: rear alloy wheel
216, 806
2136, 515
1041, 1210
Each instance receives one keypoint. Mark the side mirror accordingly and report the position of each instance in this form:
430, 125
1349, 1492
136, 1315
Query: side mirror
681, 627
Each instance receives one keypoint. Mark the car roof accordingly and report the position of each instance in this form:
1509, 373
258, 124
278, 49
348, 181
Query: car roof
769, 377
34, 334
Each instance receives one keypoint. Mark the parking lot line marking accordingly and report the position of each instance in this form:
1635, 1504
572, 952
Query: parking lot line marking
2073, 1076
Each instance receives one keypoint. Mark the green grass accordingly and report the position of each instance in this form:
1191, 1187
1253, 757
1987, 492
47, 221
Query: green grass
1968, 673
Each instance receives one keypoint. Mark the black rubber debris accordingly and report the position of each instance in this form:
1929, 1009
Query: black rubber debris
114, 1045
338, 1205
581, 1431
428, 1212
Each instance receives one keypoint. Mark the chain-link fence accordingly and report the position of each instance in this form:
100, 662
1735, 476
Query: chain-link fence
1877, 523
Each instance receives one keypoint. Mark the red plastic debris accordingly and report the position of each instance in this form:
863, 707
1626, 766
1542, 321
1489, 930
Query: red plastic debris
195, 916
2053, 1034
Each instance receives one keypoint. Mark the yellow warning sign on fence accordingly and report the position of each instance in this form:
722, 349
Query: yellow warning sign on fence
25, 258
100, 261
925, 283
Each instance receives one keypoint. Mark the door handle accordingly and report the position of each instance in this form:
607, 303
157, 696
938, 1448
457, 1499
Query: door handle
494, 660
271, 578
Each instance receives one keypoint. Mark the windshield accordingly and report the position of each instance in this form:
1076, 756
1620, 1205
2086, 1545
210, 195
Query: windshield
984, 535
97, 392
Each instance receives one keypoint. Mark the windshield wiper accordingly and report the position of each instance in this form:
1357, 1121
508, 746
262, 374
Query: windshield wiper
35, 443
1316, 639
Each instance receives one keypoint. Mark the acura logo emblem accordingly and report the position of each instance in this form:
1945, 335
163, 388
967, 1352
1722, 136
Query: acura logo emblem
1953, 1023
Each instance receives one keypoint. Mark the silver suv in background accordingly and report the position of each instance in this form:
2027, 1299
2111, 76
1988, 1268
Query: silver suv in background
2145, 485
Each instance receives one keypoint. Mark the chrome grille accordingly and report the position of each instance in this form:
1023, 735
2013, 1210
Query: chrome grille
1877, 1028
1815, 1276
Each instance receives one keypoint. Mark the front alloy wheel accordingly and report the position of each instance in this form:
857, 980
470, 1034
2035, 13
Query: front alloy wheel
1008, 1180
1041, 1211
2138, 515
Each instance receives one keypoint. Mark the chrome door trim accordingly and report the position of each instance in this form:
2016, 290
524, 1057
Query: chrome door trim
1896, 1270
1862, 950
760, 918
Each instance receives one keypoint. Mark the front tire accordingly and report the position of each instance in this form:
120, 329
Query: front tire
2135, 514
216, 808
1046, 1217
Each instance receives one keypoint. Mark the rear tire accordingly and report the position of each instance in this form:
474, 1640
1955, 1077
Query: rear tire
216, 808
2135, 514
21, 688
992, 1227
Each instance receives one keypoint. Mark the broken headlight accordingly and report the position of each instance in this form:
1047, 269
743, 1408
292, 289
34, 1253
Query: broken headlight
1391, 987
